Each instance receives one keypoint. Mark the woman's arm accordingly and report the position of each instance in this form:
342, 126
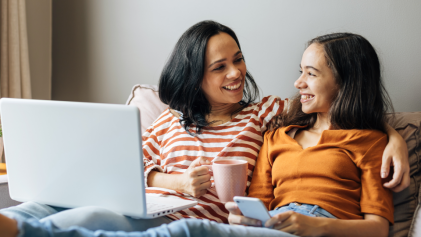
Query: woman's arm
395, 154
195, 181
302, 225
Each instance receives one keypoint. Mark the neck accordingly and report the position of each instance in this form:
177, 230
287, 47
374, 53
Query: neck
322, 122
224, 109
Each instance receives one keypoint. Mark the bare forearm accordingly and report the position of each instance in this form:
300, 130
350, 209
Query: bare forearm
393, 135
163, 180
335, 227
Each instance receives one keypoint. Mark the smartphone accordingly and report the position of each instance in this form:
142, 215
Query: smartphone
252, 208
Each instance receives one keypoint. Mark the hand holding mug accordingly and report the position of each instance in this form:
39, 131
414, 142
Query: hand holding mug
196, 180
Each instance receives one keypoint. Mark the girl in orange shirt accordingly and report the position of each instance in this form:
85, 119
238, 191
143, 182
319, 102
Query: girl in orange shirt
320, 158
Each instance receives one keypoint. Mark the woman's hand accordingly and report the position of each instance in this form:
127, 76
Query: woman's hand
395, 154
297, 224
236, 218
196, 180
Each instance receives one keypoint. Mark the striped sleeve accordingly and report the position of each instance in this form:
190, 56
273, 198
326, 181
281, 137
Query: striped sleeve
269, 107
152, 146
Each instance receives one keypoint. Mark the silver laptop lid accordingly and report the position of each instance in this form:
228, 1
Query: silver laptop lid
74, 154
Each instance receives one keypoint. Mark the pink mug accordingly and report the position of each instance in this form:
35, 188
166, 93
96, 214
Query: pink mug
230, 177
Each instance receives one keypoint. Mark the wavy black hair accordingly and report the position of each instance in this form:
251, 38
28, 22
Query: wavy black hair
361, 101
181, 79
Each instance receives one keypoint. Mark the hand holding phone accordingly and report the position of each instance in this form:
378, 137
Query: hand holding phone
252, 208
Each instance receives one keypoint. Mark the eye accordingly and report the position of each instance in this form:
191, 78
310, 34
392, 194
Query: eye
218, 68
311, 74
301, 71
239, 59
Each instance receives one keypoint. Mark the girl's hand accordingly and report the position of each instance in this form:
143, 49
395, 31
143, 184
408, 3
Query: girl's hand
396, 154
297, 224
236, 217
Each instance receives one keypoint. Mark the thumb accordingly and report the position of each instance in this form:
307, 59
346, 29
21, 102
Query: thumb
195, 163
232, 208
204, 161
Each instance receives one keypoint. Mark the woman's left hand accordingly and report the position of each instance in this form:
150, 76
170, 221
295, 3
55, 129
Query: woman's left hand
297, 224
396, 154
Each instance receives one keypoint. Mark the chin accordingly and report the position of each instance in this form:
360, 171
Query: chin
307, 111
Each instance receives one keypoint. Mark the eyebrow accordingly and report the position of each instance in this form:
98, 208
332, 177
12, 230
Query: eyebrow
221, 60
311, 67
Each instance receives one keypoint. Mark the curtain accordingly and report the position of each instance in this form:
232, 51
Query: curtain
15, 81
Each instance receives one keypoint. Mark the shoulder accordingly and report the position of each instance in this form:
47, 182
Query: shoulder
269, 101
366, 136
359, 141
163, 122
269, 105
279, 134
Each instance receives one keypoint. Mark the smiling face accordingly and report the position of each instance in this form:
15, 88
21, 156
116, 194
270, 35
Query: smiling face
224, 71
317, 83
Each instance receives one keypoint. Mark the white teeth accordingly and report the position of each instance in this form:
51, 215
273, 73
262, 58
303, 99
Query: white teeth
306, 97
233, 87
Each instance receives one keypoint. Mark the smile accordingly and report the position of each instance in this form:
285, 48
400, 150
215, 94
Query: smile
307, 97
233, 87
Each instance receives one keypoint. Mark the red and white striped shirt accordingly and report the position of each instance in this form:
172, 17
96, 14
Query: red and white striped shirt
168, 148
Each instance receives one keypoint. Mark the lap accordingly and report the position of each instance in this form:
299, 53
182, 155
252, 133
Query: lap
30, 210
305, 209
209, 228
97, 218
91, 218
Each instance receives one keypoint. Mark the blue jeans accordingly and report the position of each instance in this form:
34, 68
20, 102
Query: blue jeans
104, 220
91, 218
305, 209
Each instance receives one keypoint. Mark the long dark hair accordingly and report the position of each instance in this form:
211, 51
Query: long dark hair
361, 101
181, 78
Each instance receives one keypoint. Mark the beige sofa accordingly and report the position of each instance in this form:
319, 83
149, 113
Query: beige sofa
407, 202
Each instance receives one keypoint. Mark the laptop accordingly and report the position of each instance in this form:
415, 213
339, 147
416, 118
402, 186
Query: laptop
74, 154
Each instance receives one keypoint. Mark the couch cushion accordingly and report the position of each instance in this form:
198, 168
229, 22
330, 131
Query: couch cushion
146, 98
408, 125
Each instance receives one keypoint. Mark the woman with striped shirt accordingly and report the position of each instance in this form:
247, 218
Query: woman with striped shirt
212, 116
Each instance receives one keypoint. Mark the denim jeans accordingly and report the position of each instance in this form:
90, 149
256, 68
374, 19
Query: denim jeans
91, 218
188, 227
305, 209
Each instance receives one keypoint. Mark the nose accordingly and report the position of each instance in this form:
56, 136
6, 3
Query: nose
233, 73
300, 83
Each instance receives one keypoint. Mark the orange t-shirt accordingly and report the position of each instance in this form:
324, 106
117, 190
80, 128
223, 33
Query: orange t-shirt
341, 174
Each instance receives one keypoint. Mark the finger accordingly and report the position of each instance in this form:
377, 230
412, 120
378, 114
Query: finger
397, 177
279, 218
204, 186
204, 161
406, 179
288, 229
232, 208
198, 180
199, 193
385, 168
199, 171
242, 220
195, 163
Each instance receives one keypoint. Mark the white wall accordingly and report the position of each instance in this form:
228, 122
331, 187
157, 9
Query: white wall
101, 48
